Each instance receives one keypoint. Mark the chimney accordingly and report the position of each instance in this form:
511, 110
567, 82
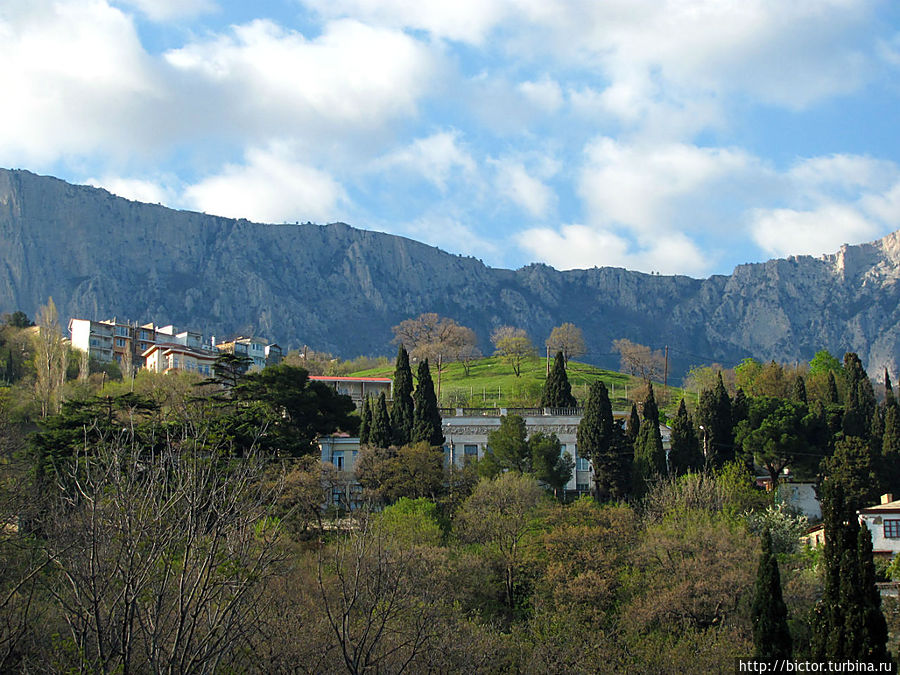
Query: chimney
887, 498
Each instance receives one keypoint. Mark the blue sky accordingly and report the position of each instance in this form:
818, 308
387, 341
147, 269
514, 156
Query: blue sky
676, 136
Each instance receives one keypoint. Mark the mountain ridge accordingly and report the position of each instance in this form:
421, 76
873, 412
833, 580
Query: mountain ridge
341, 289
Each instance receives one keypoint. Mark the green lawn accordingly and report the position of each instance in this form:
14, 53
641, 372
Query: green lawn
492, 383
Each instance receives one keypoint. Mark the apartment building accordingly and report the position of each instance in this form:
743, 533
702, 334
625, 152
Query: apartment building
261, 352
114, 340
170, 357
357, 388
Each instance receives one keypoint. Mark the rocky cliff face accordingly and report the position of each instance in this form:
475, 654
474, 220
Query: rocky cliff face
340, 289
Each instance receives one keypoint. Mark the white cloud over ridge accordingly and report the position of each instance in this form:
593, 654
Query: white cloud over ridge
270, 187
168, 10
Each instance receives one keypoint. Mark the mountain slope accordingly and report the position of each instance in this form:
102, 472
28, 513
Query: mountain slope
340, 289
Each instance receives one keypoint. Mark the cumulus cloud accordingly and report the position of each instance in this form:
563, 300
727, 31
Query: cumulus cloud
137, 189
434, 157
270, 187
581, 246
642, 186
75, 79
352, 77
835, 200
462, 20
515, 183
545, 94
167, 10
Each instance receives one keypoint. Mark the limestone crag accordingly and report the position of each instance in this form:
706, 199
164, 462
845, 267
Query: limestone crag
340, 289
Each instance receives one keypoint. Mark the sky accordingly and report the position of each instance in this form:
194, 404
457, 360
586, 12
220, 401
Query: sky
668, 136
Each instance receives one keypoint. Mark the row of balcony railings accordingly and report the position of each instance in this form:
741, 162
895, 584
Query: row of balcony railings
501, 412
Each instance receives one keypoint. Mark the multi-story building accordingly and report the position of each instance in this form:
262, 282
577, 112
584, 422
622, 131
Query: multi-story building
466, 435
357, 388
168, 357
261, 352
111, 339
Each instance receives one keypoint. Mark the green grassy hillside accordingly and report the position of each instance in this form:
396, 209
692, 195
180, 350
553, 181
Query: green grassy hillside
492, 383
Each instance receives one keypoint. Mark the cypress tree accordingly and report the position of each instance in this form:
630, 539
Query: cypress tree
828, 634
365, 421
426, 416
557, 392
714, 414
632, 426
860, 403
649, 456
601, 439
888, 390
798, 393
872, 628
833, 396
890, 444
685, 454
740, 408
771, 636
402, 404
379, 433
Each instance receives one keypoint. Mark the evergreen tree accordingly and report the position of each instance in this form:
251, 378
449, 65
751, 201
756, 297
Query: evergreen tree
402, 404
798, 393
508, 446
740, 408
876, 431
380, 434
632, 426
888, 390
855, 470
649, 456
714, 415
829, 628
365, 421
771, 636
860, 402
557, 391
601, 440
426, 416
685, 454
548, 464
871, 626
890, 445
833, 396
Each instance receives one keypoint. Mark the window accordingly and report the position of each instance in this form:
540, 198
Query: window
120, 342
121, 330
583, 487
470, 450
892, 529
582, 464
337, 459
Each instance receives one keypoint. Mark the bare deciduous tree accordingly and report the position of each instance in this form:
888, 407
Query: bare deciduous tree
567, 339
161, 555
639, 360
50, 360
382, 610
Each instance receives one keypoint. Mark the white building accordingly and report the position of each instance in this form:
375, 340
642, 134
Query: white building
883, 521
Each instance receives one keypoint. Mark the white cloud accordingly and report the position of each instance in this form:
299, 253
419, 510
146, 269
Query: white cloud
167, 10
463, 20
545, 93
434, 157
350, 78
136, 189
782, 232
271, 187
515, 183
643, 186
581, 246
75, 79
